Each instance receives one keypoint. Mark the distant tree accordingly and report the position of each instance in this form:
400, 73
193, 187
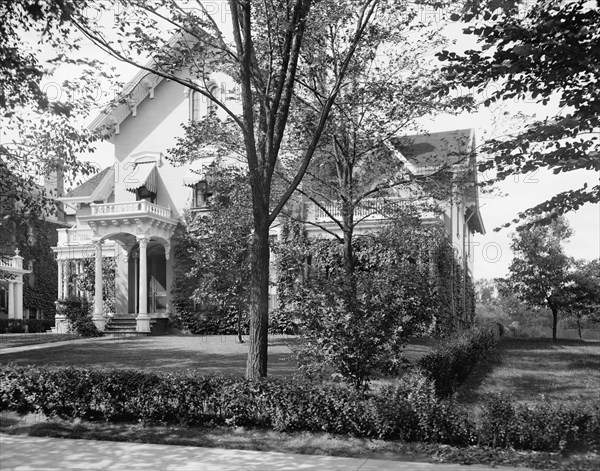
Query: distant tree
221, 236
540, 51
582, 292
539, 272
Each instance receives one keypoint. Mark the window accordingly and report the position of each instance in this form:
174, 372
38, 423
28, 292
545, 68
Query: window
202, 106
142, 193
201, 194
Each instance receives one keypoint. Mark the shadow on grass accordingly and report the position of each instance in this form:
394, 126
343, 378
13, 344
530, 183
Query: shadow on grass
526, 369
226, 358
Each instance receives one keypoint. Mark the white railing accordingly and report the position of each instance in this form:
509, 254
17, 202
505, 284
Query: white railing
131, 208
369, 209
75, 236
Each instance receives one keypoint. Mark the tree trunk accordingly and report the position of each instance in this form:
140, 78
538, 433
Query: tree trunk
256, 366
554, 321
239, 323
579, 327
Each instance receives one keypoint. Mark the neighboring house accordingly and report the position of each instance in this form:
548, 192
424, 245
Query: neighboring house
130, 210
27, 265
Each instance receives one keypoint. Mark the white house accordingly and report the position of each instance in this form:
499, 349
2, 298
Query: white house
130, 210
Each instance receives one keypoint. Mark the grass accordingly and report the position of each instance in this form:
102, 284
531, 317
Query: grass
19, 340
206, 354
529, 370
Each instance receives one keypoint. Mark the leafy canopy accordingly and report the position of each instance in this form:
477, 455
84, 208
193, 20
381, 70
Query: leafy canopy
551, 50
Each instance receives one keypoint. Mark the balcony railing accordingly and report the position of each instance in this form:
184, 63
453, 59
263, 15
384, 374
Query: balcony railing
370, 209
131, 208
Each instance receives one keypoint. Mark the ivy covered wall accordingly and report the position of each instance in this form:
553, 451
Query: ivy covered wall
34, 238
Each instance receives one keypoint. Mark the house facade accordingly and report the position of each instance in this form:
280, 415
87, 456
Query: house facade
130, 210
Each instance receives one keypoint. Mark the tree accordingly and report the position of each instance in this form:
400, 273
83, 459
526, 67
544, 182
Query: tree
357, 172
221, 237
361, 335
40, 135
272, 43
551, 50
582, 292
539, 272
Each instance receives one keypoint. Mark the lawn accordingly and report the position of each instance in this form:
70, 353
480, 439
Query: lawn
207, 354
529, 370
19, 340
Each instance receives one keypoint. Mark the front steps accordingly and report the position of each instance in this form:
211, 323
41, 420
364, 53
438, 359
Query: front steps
123, 325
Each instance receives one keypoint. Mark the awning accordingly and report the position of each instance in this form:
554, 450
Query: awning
143, 174
196, 173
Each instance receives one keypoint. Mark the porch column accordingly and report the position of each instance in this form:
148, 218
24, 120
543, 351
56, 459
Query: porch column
17, 262
60, 279
143, 319
18, 290
11, 299
98, 318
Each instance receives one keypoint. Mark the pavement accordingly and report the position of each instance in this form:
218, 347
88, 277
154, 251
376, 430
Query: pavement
21, 453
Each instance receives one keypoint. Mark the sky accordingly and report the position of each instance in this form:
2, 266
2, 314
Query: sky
492, 252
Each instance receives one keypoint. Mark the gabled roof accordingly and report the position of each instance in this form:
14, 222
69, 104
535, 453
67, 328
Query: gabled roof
97, 187
437, 149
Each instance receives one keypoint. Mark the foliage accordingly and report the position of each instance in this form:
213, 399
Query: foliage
78, 312
221, 238
408, 410
539, 271
16, 326
582, 292
34, 238
455, 292
539, 427
360, 330
517, 56
451, 363
42, 138
86, 280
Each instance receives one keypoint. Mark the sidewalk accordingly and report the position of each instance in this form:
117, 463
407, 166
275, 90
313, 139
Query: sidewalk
21, 453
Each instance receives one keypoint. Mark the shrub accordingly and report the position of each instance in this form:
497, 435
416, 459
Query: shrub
541, 427
78, 314
18, 326
450, 364
409, 410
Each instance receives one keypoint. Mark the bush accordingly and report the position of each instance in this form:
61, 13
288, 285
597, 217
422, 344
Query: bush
78, 312
408, 410
541, 427
450, 364
18, 326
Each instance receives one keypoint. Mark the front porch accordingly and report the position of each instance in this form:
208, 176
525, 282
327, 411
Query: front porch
137, 236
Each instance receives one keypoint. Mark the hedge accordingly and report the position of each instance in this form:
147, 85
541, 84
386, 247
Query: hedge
18, 326
451, 363
408, 410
